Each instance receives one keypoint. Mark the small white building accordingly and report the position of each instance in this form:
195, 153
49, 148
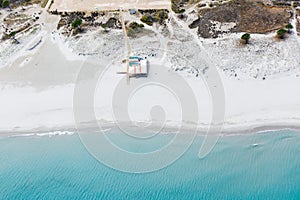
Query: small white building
138, 67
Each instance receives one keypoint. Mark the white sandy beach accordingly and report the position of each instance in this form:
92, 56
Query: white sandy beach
36, 87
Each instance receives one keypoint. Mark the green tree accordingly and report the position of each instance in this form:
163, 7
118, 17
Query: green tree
246, 37
12, 34
76, 23
1, 1
289, 27
5, 3
281, 33
182, 10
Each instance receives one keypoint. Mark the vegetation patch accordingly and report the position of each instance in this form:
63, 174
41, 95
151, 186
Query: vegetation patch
17, 3
44, 3
249, 16
15, 23
246, 37
289, 28
298, 21
12, 34
76, 23
134, 28
281, 33
154, 16
177, 5
5, 3
113, 23
70, 21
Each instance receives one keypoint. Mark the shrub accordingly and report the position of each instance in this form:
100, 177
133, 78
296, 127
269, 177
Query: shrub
12, 34
147, 19
289, 27
5, 3
44, 3
135, 25
281, 33
181, 10
246, 37
76, 23
134, 28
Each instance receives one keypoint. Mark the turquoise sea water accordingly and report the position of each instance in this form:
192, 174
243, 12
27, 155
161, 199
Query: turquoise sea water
60, 167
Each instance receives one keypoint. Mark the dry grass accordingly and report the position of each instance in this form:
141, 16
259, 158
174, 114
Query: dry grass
44, 3
249, 17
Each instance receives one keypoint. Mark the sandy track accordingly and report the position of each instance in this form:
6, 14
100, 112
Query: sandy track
94, 5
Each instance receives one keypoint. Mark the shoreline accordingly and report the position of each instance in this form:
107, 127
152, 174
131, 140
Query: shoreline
249, 130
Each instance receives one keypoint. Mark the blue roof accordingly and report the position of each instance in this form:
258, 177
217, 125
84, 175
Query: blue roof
135, 57
132, 11
133, 64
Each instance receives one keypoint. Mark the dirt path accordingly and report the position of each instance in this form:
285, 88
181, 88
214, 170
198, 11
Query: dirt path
94, 5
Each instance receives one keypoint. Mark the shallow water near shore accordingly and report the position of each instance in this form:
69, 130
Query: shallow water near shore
257, 166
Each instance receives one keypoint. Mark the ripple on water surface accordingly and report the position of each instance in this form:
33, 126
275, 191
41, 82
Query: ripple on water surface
258, 166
